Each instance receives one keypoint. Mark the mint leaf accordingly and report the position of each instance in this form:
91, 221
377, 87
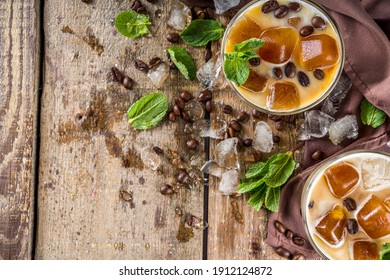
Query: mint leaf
247, 55
385, 253
201, 31
281, 167
257, 197
249, 45
371, 115
247, 186
272, 198
148, 111
235, 69
132, 24
257, 169
183, 62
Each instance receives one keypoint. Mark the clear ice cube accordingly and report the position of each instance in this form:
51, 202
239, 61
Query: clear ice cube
226, 153
374, 218
255, 82
283, 96
262, 139
180, 15
316, 125
159, 74
365, 250
333, 101
342, 178
212, 168
331, 228
214, 129
194, 110
222, 6
344, 128
376, 173
150, 158
209, 72
229, 182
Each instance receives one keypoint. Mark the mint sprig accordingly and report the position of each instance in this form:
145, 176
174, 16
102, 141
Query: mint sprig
235, 65
371, 115
132, 24
385, 253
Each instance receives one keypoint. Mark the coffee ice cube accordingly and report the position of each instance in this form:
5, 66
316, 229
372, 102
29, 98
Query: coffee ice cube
294, 21
332, 226
283, 96
375, 173
374, 218
244, 29
255, 82
365, 250
318, 51
342, 178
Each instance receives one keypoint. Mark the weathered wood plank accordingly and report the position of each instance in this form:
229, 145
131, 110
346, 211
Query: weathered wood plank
19, 74
89, 153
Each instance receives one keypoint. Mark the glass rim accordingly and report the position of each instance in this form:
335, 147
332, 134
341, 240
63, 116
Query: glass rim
324, 94
309, 183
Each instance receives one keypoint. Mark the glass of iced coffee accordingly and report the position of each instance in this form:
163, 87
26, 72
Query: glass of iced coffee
300, 62
346, 206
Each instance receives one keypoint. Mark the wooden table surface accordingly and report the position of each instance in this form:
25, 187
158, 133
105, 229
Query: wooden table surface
67, 150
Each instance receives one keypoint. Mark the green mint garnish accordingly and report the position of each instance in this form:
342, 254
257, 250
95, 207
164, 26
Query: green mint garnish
183, 62
385, 253
201, 31
371, 115
132, 24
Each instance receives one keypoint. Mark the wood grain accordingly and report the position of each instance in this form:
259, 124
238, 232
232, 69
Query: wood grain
19, 74
89, 153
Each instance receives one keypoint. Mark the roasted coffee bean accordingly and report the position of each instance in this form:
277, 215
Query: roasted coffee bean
186, 96
283, 252
154, 62
173, 37
290, 70
269, 6
172, 116
205, 96
281, 12
176, 110
140, 65
318, 22
166, 189
303, 79
227, 109
298, 257
186, 117
192, 144
352, 226
316, 155
276, 139
231, 132
247, 142
279, 125
158, 151
319, 74
256, 114
274, 118
235, 125
208, 55
350, 204
299, 241
141, 10
199, 13
255, 61
172, 65
242, 116
116, 75
209, 106
306, 30
127, 82
278, 72
294, 6
280, 227
135, 4
257, 155
126, 196
183, 177
289, 234
311, 204
180, 103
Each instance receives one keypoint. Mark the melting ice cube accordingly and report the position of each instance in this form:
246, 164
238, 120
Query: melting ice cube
209, 72
214, 129
150, 158
159, 74
342, 178
222, 6
226, 153
376, 173
194, 110
229, 182
262, 139
212, 168
333, 101
365, 250
331, 227
180, 15
346, 127
316, 125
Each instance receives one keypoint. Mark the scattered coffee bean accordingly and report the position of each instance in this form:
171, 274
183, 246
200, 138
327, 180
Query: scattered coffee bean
205, 96
279, 125
231, 132
289, 234
173, 37
290, 70
140, 65
235, 125
318, 22
183, 177
299, 257
158, 151
227, 109
192, 144
127, 82
166, 189
154, 62
141, 10
199, 13
176, 110
278, 73
269, 6
274, 118
125, 195
135, 4
242, 116
209, 106
303, 79
299, 241
294, 6
306, 30
350, 204
255, 61
280, 227
247, 142
283, 252
281, 12
116, 75
172, 65
276, 139
180, 103
172, 116
319, 74
317, 155
257, 155
256, 114
186, 96
352, 226
186, 117
311, 204
208, 55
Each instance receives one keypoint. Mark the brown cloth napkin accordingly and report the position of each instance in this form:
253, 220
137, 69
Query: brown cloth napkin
368, 66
